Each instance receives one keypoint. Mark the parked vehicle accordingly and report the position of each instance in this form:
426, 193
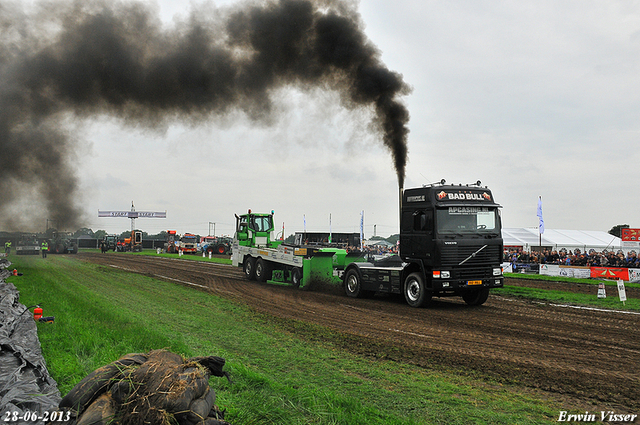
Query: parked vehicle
172, 243
189, 243
132, 243
108, 243
28, 244
220, 245
61, 242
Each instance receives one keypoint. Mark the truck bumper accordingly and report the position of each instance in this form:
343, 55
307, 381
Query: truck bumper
466, 285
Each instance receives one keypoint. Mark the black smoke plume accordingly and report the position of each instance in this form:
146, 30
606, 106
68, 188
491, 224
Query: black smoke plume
63, 61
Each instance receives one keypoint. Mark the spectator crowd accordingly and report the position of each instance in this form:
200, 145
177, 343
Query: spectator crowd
573, 258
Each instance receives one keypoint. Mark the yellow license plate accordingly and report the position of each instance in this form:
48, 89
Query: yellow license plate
474, 282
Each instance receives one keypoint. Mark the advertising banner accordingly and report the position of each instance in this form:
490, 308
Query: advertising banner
634, 275
610, 273
133, 214
565, 271
630, 235
550, 269
581, 272
628, 246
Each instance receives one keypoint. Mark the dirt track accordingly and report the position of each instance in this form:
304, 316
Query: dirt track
588, 358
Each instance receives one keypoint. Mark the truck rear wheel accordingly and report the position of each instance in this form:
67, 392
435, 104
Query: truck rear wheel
249, 268
477, 297
222, 249
263, 270
415, 291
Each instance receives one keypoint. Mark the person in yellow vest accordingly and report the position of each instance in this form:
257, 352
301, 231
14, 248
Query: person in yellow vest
7, 247
44, 248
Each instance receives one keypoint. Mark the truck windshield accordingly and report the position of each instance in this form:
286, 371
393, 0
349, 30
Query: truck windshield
467, 219
262, 223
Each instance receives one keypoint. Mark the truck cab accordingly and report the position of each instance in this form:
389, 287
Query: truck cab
453, 235
189, 243
254, 230
450, 245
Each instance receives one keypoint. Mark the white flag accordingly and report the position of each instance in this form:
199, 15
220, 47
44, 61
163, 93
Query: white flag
541, 225
362, 230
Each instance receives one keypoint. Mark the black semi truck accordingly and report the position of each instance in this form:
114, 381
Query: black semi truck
450, 245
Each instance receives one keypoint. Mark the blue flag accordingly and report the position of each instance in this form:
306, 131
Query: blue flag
541, 225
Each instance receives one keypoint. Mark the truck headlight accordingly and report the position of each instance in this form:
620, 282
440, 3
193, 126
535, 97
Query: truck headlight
497, 271
445, 274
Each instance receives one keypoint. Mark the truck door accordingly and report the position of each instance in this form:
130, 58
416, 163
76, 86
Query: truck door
417, 233
242, 229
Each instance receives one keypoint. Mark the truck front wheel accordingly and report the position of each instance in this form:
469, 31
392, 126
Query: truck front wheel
477, 297
353, 284
415, 291
249, 268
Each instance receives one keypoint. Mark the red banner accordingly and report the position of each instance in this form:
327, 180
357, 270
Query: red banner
610, 273
630, 235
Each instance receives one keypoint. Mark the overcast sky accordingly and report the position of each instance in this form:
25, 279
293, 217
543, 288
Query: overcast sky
531, 98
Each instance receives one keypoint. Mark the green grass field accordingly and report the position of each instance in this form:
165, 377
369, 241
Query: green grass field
571, 298
279, 377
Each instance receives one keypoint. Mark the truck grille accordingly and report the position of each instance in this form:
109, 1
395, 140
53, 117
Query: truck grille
473, 273
452, 256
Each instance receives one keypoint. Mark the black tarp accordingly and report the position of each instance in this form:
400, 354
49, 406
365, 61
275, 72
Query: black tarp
25, 383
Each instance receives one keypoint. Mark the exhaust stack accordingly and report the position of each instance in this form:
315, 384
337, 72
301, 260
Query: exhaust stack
401, 190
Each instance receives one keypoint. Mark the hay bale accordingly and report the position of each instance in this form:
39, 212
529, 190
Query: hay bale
159, 387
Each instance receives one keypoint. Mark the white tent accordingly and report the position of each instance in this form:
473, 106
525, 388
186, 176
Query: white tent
378, 242
585, 240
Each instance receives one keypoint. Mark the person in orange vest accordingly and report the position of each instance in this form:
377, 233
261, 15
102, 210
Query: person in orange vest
44, 248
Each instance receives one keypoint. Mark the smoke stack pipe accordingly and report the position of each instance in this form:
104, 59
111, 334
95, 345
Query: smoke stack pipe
400, 218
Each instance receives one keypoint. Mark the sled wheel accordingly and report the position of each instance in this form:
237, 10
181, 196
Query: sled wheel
296, 276
249, 268
262, 270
